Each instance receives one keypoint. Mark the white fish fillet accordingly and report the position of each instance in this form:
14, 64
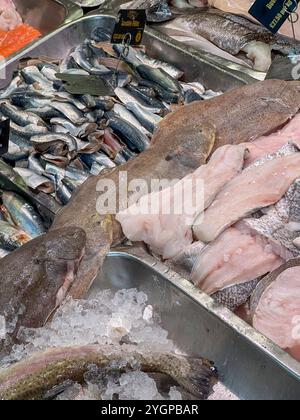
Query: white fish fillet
241, 7
168, 231
234, 258
253, 189
269, 144
277, 314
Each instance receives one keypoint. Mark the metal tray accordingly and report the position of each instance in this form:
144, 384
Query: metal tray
249, 365
196, 67
48, 15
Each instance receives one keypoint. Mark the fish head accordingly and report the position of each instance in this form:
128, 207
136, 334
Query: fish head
37, 278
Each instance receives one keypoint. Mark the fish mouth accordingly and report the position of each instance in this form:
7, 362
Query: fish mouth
72, 269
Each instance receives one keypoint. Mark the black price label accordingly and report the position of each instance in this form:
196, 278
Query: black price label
4, 136
273, 13
130, 27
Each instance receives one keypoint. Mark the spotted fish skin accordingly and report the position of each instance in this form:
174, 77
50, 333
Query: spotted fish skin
235, 296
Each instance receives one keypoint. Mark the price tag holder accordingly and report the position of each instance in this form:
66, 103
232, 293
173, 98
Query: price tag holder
131, 25
4, 136
273, 13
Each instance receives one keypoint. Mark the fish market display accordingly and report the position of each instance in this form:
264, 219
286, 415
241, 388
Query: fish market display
275, 307
176, 152
59, 139
91, 354
9, 17
227, 35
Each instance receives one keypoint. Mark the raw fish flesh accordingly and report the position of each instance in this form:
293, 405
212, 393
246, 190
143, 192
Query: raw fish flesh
269, 144
254, 189
232, 259
275, 307
17, 38
168, 229
9, 17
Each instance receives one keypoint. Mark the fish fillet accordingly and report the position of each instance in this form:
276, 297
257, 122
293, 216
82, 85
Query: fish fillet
168, 230
269, 144
253, 189
277, 314
234, 258
9, 17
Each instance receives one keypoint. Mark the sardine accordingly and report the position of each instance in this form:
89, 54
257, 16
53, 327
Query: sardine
23, 214
55, 137
160, 77
20, 117
148, 120
12, 238
125, 97
69, 111
35, 181
168, 68
125, 114
33, 377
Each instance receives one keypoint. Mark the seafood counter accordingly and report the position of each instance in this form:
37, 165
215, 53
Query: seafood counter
238, 249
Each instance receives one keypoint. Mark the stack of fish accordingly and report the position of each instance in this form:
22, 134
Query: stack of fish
59, 139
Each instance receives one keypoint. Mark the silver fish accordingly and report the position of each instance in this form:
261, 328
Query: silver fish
168, 68
69, 111
124, 112
148, 120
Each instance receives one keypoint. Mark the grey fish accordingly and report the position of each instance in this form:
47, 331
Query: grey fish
148, 120
69, 111
97, 168
127, 132
124, 112
144, 98
29, 101
125, 96
152, 62
160, 77
32, 75
36, 278
71, 184
55, 137
68, 97
99, 158
80, 58
35, 181
74, 130
62, 193
12, 238
14, 84
161, 93
61, 161
34, 164
20, 117
23, 214
46, 113
33, 377
235, 296
28, 131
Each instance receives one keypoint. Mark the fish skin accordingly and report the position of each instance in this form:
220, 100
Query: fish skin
174, 72
229, 32
11, 238
160, 77
258, 187
149, 120
23, 214
36, 278
55, 137
20, 117
235, 296
174, 153
263, 107
33, 377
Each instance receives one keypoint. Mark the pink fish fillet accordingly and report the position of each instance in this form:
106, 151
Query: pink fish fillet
241, 7
168, 229
253, 189
9, 17
277, 314
234, 258
266, 145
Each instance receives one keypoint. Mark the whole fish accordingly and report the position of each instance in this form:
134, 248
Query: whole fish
125, 114
32, 75
12, 238
148, 120
160, 77
36, 278
33, 377
18, 116
62, 192
125, 97
168, 68
23, 214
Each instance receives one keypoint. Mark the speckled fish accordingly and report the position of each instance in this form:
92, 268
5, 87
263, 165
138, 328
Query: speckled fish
37, 278
23, 214
275, 307
33, 377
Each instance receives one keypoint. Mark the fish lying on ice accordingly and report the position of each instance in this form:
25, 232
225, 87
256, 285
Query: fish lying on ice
275, 307
40, 272
174, 153
168, 228
255, 188
229, 267
33, 377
